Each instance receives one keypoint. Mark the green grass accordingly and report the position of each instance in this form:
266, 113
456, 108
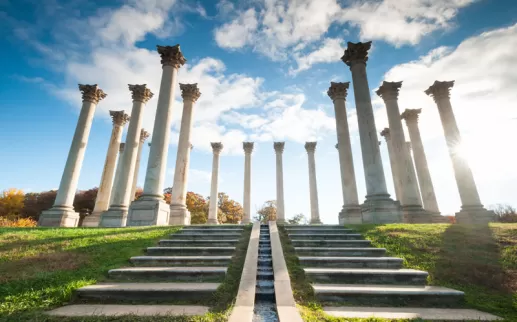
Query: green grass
482, 262
41, 267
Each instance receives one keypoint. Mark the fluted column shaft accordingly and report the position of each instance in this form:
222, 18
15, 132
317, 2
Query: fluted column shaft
117, 171
143, 136
412, 172
393, 164
248, 149
62, 212
280, 206
214, 195
310, 147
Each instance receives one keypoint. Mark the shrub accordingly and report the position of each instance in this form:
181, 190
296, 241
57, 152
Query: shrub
20, 222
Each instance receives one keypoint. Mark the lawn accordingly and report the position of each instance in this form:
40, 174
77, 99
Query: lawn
482, 262
41, 267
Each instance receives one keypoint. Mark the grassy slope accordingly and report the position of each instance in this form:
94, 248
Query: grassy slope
41, 267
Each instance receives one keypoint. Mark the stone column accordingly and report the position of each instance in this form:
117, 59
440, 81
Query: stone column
103, 194
248, 149
378, 206
280, 206
396, 183
117, 171
472, 211
422, 169
151, 208
179, 214
412, 171
116, 215
62, 213
310, 147
214, 195
409, 194
351, 212
143, 136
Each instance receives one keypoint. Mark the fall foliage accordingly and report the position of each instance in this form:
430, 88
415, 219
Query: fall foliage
267, 212
11, 202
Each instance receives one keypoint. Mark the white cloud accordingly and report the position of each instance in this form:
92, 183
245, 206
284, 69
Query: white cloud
237, 33
330, 51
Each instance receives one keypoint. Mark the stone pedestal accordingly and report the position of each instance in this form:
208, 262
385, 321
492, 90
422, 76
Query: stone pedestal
62, 213
179, 215
213, 207
143, 136
472, 211
117, 214
103, 195
378, 202
152, 197
351, 212
280, 207
248, 149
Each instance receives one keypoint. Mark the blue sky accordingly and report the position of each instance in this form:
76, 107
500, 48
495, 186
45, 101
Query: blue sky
263, 68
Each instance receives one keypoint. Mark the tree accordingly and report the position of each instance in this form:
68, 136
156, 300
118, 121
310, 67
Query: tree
11, 203
231, 210
267, 212
298, 219
505, 213
198, 208
84, 200
35, 203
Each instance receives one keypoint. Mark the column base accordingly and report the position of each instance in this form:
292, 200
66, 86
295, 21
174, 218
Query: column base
58, 216
474, 215
350, 215
114, 217
212, 221
148, 211
92, 220
415, 214
316, 222
245, 221
179, 215
381, 209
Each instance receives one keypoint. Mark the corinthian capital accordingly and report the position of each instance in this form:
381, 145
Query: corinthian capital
217, 147
410, 115
143, 135
338, 90
190, 92
279, 147
171, 56
141, 93
119, 118
92, 93
389, 90
440, 90
386, 134
356, 53
248, 147
310, 147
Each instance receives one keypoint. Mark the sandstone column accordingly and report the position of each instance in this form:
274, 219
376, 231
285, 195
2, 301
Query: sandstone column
103, 194
116, 215
378, 206
143, 136
117, 171
409, 194
310, 147
62, 213
280, 206
422, 169
351, 212
214, 195
472, 211
248, 149
179, 215
150, 208
412, 171
396, 183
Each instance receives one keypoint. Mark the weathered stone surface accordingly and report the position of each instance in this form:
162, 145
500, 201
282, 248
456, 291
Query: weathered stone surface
180, 260
351, 262
367, 276
79, 310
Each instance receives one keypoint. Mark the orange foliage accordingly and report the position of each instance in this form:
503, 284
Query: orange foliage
22, 222
11, 202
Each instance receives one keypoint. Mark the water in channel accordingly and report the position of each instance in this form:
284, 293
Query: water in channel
265, 304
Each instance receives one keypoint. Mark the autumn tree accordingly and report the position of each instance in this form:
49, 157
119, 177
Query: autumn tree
35, 203
84, 200
198, 207
267, 212
231, 209
11, 203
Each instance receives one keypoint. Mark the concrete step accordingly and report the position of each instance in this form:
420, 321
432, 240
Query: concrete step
111, 310
395, 295
197, 243
170, 274
331, 243
367, 276
323, 236
169, 261
340, 251
147, 292
214, 231
318, 230
192, 251
351, 262
225, 226
196, 236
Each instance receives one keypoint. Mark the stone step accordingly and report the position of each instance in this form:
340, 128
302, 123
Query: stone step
340, 251
209, 227
367, 276
264, 294
196, 236
186, 242
351, 262
326, 237
193, 251
331, 243
381, 295
265, 262
171, 274
317, 230
111, 310
212, 231
147, 292
168, 261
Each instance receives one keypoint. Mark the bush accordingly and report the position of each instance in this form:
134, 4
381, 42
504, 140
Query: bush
20, 222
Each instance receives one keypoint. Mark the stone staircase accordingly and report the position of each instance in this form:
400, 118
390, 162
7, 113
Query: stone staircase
345, 270
188, 266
